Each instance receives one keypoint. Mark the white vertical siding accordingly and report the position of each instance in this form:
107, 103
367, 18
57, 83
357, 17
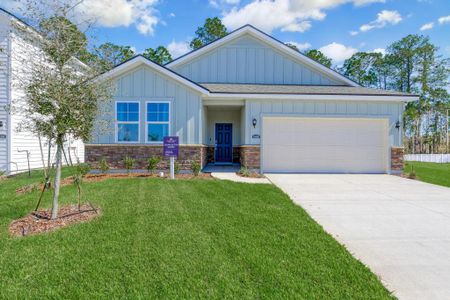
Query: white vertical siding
145, 84
348, 109
4, 94
247, 60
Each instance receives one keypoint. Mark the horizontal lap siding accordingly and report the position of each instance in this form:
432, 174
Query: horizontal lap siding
257, 109
247, 60
144, 84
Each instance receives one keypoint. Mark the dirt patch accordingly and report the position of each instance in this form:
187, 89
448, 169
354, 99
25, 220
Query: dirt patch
250, 175
39, 222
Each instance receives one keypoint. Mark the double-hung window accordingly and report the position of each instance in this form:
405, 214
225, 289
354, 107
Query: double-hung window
157, 121
127, 116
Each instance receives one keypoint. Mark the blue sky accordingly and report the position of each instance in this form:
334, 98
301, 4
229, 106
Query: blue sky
338, 27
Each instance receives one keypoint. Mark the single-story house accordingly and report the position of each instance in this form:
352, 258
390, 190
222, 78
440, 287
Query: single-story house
247, 98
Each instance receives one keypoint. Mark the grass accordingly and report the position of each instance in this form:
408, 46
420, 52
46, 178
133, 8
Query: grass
430, 172
178, 239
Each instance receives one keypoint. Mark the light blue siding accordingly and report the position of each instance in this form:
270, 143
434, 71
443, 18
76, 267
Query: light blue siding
145, 84
347, 109
248, 60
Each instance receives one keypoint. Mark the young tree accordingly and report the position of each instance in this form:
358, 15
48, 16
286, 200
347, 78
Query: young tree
212, 30
60, 98
160, 55
319, 57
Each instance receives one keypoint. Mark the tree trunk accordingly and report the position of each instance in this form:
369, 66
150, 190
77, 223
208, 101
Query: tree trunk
57, 183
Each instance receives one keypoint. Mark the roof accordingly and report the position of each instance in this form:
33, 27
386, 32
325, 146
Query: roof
142, 60
270, 40
225, 88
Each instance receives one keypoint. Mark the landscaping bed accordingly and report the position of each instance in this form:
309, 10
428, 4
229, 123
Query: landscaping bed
40, 222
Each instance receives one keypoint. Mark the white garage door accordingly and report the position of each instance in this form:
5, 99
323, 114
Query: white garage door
324, 145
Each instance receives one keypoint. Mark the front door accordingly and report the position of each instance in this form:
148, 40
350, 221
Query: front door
224, 145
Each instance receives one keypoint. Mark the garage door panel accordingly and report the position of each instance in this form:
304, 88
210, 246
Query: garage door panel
324, 145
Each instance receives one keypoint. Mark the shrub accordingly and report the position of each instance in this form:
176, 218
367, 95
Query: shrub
129, 163
176, 167
83, 169
412, 174
104, 166
244, 172
195, 167
152, 163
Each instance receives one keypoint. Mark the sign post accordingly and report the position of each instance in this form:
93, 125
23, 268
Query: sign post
171, 145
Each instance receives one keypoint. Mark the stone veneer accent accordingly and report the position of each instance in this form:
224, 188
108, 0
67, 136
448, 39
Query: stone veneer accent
250, 156
115, 153
397, 163
210, 154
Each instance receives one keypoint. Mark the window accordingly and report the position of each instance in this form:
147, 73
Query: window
127, 116
158, 119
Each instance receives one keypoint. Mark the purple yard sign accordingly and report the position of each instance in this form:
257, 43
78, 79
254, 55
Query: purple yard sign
170, 146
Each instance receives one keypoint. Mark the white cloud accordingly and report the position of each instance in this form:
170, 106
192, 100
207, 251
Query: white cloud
288, 15
222, 3
354, 32
379, 50
300, 46
297, 27
427, 26
443, 20
384, 18
110, 13
177, 49
338, 52
172, 15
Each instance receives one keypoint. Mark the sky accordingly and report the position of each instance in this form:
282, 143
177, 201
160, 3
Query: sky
338, 28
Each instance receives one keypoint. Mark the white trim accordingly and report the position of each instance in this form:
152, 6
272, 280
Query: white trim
140, 60
219, 96
146, 122
247, 29
116, 123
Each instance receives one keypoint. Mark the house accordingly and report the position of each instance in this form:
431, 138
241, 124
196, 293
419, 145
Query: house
20, 149
247, 98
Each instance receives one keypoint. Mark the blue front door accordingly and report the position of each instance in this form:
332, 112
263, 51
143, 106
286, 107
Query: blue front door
224, 145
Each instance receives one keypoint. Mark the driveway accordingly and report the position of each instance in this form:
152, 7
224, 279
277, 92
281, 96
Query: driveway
398, 227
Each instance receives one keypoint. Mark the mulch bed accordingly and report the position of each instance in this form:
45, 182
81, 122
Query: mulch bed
40, 222
251, 175
101, 177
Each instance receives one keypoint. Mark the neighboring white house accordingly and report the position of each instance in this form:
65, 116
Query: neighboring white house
248, 98
15, 145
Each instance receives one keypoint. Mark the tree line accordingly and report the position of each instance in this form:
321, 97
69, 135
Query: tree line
412, 65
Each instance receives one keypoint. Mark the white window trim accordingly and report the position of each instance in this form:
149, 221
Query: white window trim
138, 122
158, 122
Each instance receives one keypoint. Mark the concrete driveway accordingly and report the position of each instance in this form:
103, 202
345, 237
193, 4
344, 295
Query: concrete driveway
398, 227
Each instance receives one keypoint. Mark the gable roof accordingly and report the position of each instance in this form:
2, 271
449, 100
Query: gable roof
260, 35
141, 60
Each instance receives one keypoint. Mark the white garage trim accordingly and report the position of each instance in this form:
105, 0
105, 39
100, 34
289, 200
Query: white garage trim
379, 164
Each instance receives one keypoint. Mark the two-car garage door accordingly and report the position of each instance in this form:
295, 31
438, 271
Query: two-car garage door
324, 145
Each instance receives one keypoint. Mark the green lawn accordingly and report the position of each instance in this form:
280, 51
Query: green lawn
430, 172
178, 239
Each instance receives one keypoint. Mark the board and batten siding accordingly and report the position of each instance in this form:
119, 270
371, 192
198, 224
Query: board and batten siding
248, 60
325, 109
144, 84
4, 94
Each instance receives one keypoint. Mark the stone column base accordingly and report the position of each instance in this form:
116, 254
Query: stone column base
250, 157
397, 162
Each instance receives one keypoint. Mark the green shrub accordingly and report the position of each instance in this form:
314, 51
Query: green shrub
176, 167
152, 163
195, 167
104, 166
129, 163
244, 172
83, 169
412, 174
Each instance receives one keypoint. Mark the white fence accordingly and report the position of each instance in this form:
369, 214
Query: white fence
436, 158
